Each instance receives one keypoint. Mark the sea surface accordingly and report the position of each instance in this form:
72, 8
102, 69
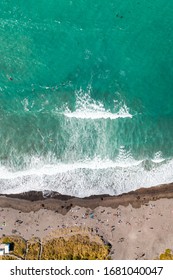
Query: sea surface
86, 95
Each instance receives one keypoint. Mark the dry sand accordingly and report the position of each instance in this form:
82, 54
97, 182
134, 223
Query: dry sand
138, 225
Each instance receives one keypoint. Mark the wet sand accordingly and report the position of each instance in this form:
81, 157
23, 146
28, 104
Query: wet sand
138, 224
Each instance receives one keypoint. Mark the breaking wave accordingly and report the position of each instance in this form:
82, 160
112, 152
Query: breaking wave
90, 177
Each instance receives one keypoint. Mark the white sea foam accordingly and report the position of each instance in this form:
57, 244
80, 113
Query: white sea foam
88, 108
53, 169
86, 114
158, 158
90, 177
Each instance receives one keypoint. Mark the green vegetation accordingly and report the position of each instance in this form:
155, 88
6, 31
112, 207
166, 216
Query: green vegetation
33, 249
76, 246
167, 255
18, 243
9, 257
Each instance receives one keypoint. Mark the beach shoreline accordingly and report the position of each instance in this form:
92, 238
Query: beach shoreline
138, 224
33, 200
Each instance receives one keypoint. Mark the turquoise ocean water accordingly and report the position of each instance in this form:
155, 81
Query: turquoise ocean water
86, 95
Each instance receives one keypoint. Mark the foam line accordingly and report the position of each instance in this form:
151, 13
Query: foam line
83, 182
88, 108
79, 114
52, 169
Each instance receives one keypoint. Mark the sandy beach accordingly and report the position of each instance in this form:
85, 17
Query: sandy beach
138, 225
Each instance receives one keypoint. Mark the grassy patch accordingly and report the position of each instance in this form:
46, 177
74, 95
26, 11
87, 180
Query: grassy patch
33, 249
77, 247
76, 244
167, 255
18, 244
7, 257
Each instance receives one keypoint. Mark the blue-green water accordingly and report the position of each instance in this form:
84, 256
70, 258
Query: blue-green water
86, 95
